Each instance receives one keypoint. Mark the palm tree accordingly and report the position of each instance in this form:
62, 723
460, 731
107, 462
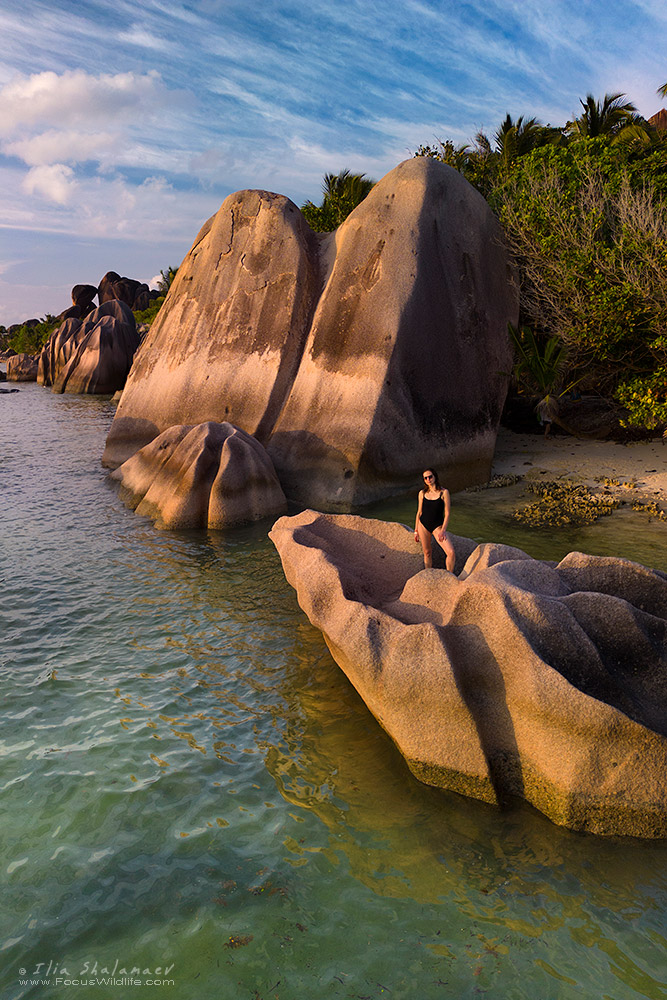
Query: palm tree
166, 278
607, 118
346, 189
342, 193
540, 363
516, 138
663, 90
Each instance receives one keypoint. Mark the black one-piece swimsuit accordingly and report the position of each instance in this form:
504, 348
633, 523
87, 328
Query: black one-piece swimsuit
433, 513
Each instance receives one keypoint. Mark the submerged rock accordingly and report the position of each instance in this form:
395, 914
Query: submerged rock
516, 678
207, 476
357, 357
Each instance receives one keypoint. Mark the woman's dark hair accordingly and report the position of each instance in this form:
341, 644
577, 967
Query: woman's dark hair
435, 478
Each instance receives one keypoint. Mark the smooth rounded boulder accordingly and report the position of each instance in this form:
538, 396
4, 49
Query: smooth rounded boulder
516, 678
357, 358
207, 476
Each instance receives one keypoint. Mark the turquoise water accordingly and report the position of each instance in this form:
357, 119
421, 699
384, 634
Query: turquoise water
189, 783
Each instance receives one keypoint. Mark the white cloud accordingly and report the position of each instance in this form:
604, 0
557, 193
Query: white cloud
76, 98
54, 183
66, 146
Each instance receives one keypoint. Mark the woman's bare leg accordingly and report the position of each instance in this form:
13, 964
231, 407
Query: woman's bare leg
425, 539
448, 549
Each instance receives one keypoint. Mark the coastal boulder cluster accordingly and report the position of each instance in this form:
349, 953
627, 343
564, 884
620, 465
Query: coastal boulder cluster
93, 348
92, 355
354, 358
516, 678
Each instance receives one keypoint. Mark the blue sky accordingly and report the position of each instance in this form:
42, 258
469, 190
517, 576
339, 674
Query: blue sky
124, 125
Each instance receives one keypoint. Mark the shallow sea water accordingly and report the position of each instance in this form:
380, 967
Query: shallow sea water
189, 781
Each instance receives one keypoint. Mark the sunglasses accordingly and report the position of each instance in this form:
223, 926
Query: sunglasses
427, 479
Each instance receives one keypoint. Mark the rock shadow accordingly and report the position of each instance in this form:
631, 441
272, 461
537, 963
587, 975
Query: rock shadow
482, 688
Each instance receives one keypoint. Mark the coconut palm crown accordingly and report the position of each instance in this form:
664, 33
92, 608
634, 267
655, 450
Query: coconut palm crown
606, 117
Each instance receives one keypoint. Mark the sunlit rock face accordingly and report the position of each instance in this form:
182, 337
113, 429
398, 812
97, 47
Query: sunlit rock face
91, 356
515, 678
207, 476
357, 357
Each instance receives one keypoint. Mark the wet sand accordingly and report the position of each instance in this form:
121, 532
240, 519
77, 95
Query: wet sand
643, 463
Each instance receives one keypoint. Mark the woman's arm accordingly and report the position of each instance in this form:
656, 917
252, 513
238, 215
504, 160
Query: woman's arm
448, 506
419, 511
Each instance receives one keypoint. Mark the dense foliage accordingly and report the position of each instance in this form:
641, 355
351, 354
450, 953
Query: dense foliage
148, 315
26, 338
584, 208
341, 194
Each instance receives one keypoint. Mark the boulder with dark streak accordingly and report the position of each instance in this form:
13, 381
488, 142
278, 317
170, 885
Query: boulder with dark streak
91, 356
357, 358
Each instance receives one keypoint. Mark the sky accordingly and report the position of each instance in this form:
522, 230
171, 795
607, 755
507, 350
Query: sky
124, 125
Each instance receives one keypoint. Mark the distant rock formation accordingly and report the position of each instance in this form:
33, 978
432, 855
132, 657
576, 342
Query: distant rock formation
518, 678
357, 357
135, 294
22, 368
91, 356
82, 298
659, 120
208, 476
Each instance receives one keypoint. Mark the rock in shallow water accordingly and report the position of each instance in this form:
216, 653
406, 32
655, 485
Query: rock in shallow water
516, 678
22, 368
91, 356
208, 476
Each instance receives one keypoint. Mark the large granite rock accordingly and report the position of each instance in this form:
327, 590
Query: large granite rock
208, 476
22, 368
91, 356
518, 678
357, 358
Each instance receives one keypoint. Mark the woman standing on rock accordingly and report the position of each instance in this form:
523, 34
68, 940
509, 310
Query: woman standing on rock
432, 517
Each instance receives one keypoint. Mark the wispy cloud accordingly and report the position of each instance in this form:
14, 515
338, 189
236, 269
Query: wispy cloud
141, 116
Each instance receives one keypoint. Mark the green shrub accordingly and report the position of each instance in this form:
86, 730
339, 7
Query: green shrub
645, 399
590, 240
31, 339
148, 315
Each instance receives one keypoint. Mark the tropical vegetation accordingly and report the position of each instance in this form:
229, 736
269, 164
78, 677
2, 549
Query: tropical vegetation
341, 194
30, 337
584, 209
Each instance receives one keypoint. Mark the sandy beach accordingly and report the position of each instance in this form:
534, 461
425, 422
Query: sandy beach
643, 463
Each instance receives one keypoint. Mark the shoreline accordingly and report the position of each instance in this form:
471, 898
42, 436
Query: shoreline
641, 463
